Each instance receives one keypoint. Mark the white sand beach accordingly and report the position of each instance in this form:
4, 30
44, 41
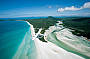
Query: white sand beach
51, 51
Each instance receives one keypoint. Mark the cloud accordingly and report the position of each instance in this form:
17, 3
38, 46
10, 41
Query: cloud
60, 10
73, 8
86, 5
49, 6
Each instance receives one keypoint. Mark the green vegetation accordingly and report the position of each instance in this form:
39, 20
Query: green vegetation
43, 23
42, 39
81, 26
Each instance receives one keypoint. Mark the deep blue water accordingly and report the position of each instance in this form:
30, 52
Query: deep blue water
21, 18
12, 34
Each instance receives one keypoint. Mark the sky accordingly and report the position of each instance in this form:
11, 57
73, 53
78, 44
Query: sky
37, 8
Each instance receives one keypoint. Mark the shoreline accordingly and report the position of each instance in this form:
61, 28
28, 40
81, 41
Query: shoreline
32, 29
50, 50
61, 38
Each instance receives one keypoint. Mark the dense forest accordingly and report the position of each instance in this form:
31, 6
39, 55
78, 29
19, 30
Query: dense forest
43, 23
81, 26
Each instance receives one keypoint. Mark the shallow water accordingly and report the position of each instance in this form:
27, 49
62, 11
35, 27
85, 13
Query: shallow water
72, 43
12, 35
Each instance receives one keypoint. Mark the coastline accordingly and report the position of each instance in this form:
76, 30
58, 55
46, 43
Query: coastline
62, 37
24, 50
32, 29
50, 50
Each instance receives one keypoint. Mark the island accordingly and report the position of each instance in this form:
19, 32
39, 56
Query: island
62, 33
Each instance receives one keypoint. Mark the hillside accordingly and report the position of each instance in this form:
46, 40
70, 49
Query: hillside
81, 26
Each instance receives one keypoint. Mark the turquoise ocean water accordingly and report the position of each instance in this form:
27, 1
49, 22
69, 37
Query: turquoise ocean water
12, 35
